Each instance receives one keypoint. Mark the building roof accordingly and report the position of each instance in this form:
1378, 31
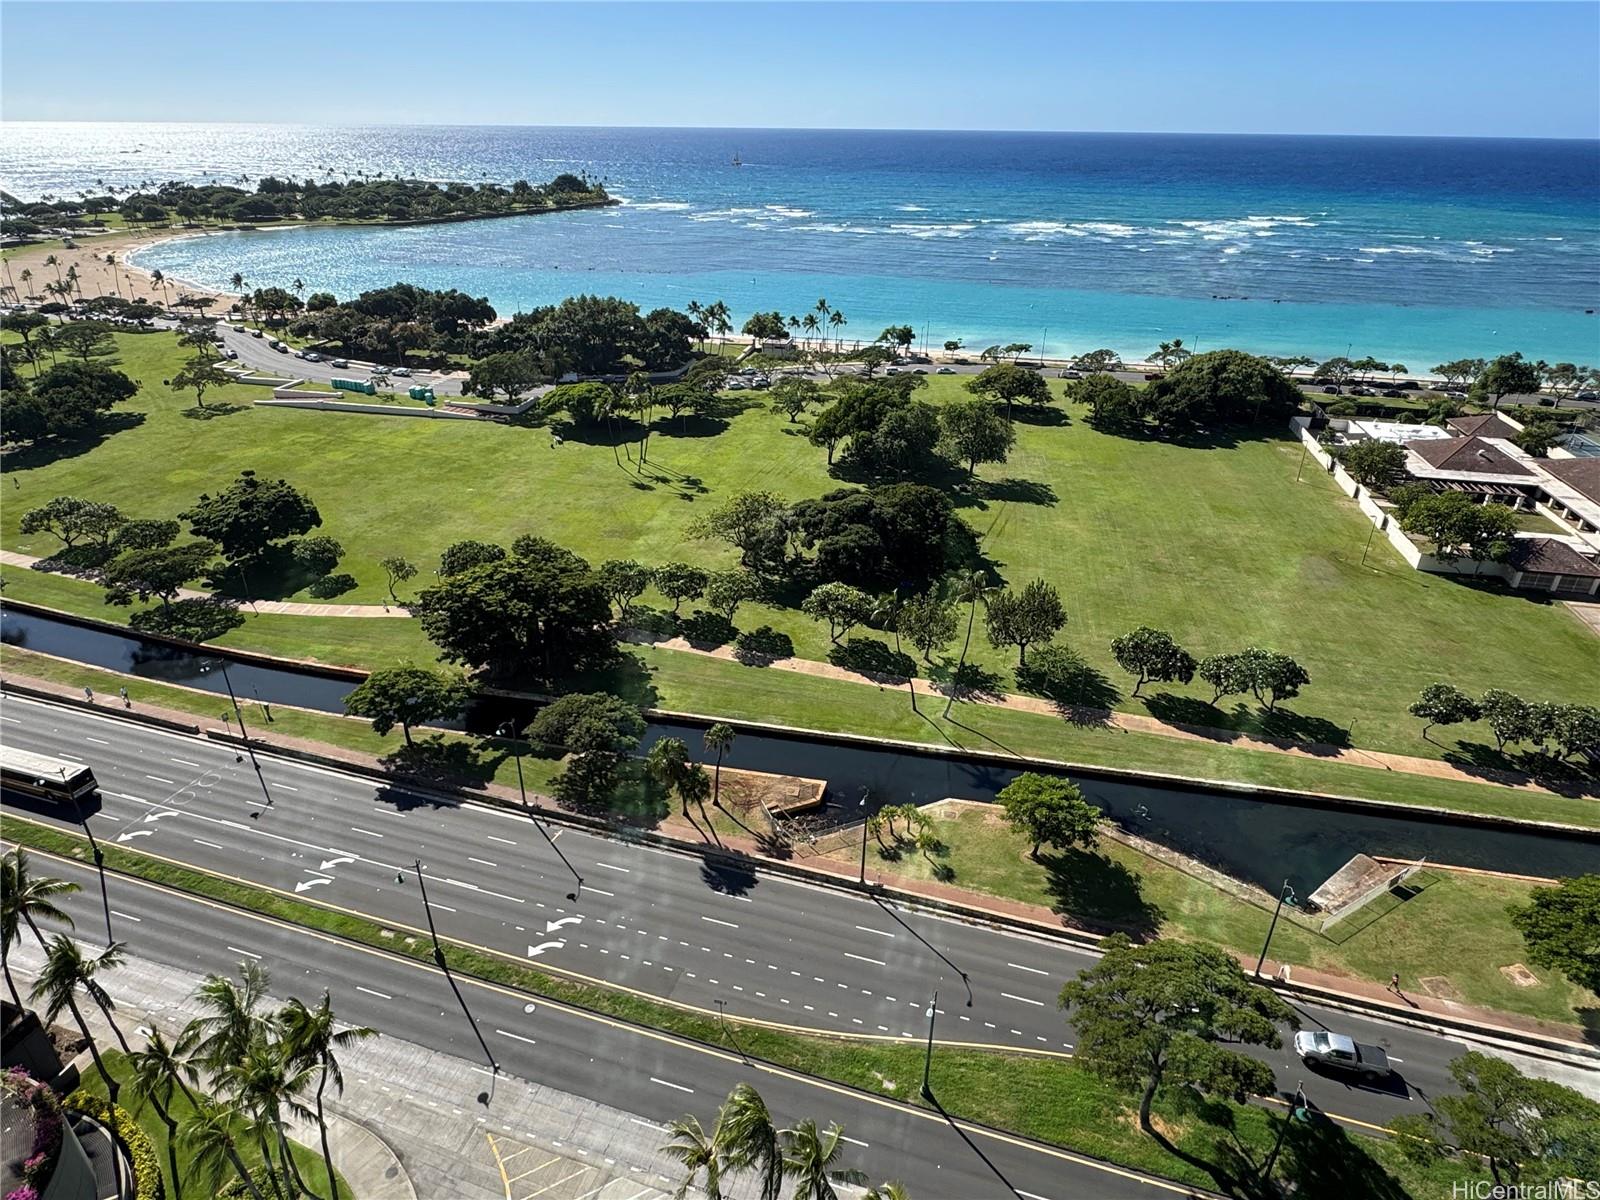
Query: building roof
1472, 455
1482, 425
1552, 557
1580, 474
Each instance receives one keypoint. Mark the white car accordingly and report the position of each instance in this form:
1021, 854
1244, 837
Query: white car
340, 363
403, 372
313, 356
230, 353
945, 371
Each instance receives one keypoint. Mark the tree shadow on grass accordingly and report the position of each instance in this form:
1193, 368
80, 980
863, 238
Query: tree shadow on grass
1073, 684
46, 451
1011, 490
1099, 893
1320, 1161
1042, 415
876, 660
1310, 732
437, 759
763, 646
81, 562
210, 412
968, 682
1559, 776
1187, 710
706, 630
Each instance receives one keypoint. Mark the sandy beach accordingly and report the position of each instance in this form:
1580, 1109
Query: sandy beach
96, 276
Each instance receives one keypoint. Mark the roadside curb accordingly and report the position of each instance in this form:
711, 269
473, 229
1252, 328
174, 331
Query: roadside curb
817, 876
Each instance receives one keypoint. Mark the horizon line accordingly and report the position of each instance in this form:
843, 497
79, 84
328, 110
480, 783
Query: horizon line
1484, 137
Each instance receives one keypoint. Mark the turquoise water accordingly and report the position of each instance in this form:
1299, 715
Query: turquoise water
1412, 250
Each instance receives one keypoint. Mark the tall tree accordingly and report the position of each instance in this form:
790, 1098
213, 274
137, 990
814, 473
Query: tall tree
1443, 704
972, 588
1152, 656
397, 569
972, 432
1008, 383
699, 1153
812, 1156
1504, 376
65, 971
312, 1039
840, 605
1158, 1013
1048, 810
406, 695
751, 1140
718, 738
1561, 926
1024, 618
251, 514
927, 622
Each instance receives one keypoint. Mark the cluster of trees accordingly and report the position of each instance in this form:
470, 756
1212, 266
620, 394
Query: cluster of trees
361, 199
262, 1066
595, 335
746, 1140
67, 400
1489, 381
1226, 387
1569, 731
1457, 525
1154, 656
384, 323
538, 608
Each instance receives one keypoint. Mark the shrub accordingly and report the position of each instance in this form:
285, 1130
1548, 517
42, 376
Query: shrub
147, 1181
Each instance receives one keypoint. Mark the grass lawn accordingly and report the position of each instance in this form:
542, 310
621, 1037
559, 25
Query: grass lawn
1219, 545
191, 1185
1050, 1099
1454, 929
693, 683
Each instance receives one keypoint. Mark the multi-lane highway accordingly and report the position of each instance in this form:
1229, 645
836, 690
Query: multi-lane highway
664, 924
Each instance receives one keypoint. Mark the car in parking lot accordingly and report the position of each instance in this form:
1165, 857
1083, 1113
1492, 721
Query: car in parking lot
230, 353
313, 356
736, 385
280, 347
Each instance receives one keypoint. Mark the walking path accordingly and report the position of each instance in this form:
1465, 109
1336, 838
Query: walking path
1132, 722
455, 1147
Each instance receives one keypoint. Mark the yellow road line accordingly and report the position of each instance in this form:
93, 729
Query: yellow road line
500, 1163
535, 1170
786, 1073
557, 1183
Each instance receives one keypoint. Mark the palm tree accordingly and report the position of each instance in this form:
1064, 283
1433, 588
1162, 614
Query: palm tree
668, 764
890, 1189
697, 1151
697, 313
73, 281
811, 1156
111, 261
268, 1083
52, 261
210, 1143
838, 321
29, 899
750, 1140
155, 1073
971, 588
719, 738
822, 308
57, 986
27, 283
297, 286
311, 1038
159, 278
809, 323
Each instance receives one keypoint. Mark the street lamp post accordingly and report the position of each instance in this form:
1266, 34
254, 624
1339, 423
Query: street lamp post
444, 966
927, 1062
865, 820
94, 848
1284, 893
522, 790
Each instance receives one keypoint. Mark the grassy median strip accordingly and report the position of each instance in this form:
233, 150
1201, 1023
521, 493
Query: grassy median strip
1050, 1100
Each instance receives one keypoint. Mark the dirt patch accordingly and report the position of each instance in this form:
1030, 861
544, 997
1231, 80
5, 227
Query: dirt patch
1440, 988
746, 792
1520, 975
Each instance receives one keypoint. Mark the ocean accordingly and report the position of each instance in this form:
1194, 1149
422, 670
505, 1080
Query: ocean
1413, 250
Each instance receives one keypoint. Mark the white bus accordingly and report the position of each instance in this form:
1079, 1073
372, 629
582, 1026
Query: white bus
48, 778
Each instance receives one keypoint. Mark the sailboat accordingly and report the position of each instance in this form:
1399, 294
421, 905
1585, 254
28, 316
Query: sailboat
736, 161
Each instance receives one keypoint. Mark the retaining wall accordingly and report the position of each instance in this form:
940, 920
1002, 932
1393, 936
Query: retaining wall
384, 410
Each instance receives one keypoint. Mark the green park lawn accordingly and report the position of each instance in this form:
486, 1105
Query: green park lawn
1219, 545
1454, 928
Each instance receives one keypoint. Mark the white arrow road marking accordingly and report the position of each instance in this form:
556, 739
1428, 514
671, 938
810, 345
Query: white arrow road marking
334, 862
311, 883
552, 926
133, 833
156, 816
536, 951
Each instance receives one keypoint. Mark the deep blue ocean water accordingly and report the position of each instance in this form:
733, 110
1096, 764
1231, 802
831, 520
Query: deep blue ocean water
1412, 250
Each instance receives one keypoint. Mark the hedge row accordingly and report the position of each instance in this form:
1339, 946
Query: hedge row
147, 1178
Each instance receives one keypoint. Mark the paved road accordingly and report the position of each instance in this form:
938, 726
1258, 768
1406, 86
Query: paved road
665, 924
655, 1077
255, 353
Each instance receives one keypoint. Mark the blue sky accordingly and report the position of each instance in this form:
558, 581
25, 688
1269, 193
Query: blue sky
1488, 69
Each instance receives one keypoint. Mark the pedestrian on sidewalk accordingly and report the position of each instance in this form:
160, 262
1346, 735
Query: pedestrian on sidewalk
126, 703
1394, 984
88, 694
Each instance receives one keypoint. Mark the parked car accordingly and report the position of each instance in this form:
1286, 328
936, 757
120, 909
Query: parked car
280, 348
1590, 396
945, 371
1331, 390
1070, 374
736, 385
339, 364
920, 371
1320, 1048
256, 333
230, 353
299, 353
313, 356
892, 371
963, 362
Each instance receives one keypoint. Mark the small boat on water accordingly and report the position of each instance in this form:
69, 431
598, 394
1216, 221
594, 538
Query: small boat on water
736, 161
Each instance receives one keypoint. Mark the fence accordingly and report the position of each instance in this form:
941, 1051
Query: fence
386, 410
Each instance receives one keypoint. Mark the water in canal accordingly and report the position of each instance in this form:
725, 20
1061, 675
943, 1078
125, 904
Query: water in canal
1259, 840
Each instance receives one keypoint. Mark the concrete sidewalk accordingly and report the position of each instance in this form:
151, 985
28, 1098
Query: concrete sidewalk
461, 1136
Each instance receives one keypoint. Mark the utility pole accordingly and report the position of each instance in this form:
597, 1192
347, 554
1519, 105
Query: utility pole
862, 877
439, 959
927, 1062
244, 733
516, 753
1284, 893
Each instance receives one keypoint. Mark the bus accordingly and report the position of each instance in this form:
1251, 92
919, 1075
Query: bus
47, 778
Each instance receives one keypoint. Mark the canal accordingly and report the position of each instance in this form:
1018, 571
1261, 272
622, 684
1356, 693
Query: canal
1250, 837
